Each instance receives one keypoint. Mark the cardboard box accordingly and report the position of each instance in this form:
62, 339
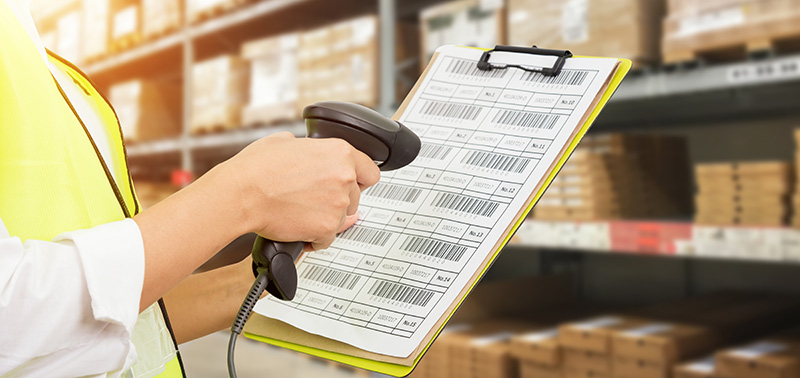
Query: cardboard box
695, 369
339, 62
125, 22
68, 40
600, 363
273, 80
529, 369
160, 17
95, 28
219, 90
464, 22
539, 347
726, 29
579, 373
768, 358
633, 368
197, 9
147, 109
595, 334
663, 344
617, 28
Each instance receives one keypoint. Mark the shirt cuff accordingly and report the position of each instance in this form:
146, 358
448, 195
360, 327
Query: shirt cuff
112, 256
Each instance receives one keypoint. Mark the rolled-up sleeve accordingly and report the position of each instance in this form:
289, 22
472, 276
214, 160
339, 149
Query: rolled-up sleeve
71, 303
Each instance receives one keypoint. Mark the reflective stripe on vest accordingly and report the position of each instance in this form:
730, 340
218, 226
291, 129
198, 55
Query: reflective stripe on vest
53, 180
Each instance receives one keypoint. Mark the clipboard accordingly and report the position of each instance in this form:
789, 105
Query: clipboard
399, 367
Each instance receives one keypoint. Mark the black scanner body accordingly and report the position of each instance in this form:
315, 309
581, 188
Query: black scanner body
388, 142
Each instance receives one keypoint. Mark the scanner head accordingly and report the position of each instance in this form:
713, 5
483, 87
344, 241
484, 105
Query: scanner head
388, 142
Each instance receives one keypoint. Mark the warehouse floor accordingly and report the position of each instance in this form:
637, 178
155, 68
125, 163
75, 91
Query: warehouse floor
206, 358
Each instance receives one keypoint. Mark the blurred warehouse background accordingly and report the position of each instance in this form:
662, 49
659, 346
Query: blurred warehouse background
667, 247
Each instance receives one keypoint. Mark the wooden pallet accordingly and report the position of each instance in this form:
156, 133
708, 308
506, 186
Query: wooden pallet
210, 129
161, 32
735, 43
125, 43
216, 10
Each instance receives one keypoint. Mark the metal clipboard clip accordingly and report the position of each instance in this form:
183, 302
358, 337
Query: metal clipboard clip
561, 57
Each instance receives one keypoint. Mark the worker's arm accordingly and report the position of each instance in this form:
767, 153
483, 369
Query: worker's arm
207, 302
71, 302
283, 188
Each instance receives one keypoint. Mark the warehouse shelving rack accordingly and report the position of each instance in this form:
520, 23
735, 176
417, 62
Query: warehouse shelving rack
649, 96
182, 43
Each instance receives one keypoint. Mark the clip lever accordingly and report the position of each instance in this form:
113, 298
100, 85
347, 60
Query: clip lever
562, 55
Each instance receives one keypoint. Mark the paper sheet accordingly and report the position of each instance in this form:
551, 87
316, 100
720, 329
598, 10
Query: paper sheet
489, 138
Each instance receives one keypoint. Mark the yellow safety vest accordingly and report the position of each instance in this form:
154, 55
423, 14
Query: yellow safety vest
54, 180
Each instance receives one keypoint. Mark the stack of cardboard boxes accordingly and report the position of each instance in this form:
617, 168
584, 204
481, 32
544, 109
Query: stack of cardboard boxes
649, 342
743, 193
726, 29
339, 62
147, 109
618, 28
464, 22
219, 91
273, 79
95, 28
335, 62
777, 356
126, 24
618, 176
160, 17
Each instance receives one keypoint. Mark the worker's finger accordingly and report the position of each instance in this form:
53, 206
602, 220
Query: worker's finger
322, 243
367, 171
349, 221
355, 197
282, 134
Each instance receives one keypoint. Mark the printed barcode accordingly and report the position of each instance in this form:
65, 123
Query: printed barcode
566, 77
366, 235
394, 192
526, 119
402, 293
466, 204
496, 161
331, 277
449, 110
434, 151
433, 247
465, 67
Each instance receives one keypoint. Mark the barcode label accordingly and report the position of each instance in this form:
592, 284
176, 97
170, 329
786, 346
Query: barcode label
526, 119
471, 205
394, 192
433, 247
449, 110
366, 235
331, 277
401, 293
434, 151
496, 161
566, 77
470, 68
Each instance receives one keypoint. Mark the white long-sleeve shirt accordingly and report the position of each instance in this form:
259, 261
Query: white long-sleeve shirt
68, 306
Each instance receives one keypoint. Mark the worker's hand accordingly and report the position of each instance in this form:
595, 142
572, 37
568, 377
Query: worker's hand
301, 189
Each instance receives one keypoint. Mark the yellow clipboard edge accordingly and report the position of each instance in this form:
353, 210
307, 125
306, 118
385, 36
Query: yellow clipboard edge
396, 370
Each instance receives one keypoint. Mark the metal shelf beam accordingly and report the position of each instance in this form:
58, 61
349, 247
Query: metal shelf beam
710, 78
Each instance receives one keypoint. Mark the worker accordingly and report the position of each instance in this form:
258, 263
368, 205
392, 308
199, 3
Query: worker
92, 285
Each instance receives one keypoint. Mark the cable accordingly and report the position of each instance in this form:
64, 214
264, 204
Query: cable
244, 313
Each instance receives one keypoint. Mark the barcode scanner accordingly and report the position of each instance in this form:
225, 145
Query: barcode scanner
389, 143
